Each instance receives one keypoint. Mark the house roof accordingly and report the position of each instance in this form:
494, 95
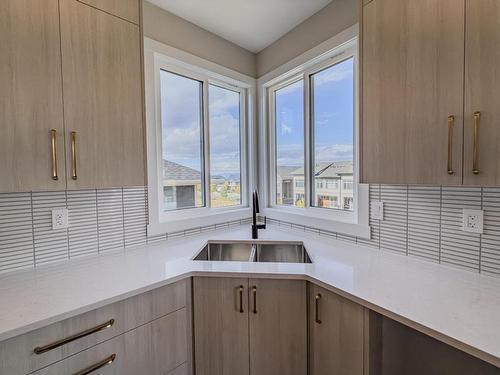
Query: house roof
285, 172
178, 172
334, 169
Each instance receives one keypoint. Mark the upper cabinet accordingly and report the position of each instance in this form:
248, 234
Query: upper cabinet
412, 91
31, 154
430, 92
71, 112
102, 82
482, 93
126, 9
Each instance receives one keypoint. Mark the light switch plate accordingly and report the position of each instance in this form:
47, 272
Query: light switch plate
377, 210
473, 221
60, 218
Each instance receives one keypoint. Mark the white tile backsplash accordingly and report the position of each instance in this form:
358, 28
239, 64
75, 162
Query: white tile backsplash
419, 221
100, 221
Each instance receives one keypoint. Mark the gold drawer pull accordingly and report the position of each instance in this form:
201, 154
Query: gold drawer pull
98, 365
240, 291
254, 292
451, 123
74, 175
475, 152
316, 310
53, 144
58, 343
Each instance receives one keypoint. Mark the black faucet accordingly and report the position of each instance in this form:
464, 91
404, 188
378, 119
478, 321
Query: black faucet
255, 226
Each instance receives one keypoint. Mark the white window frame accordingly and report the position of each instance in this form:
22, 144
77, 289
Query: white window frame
159, 57
329, 53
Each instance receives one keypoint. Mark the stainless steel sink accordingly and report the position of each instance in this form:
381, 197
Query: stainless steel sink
280, 252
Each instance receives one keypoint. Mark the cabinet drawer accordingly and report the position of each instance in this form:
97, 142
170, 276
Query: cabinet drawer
152, 349
126, 9
17, 355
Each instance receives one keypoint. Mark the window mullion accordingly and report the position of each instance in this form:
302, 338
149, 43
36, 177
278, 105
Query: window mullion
308, 160
206, 145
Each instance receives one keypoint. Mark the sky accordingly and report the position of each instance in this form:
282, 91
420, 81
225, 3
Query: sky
333, 114
181, 107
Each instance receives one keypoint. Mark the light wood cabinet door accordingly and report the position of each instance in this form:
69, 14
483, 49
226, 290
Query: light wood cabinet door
278, 327
336, 334
220, 308
482, 93
30, 95
126, 9
102, 81
412, 81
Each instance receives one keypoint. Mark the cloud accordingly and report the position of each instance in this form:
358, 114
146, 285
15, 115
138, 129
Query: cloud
293, 154
182, 128
285, 129
336, 73
330, 153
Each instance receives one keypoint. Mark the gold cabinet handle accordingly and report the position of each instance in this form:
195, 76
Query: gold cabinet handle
98, 365
74, 174
254, 293
451, 124
316, 308
53, 144
475, 151
240, 291
87, 332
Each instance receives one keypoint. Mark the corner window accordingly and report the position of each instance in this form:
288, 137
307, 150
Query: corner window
313, 133
198, 152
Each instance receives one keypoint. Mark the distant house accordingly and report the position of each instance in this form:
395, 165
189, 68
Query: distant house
284, 191
333, 185
182, 186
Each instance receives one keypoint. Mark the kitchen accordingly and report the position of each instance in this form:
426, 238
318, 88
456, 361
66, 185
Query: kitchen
290, 187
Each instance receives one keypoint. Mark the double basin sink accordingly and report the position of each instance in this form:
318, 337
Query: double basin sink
247, 251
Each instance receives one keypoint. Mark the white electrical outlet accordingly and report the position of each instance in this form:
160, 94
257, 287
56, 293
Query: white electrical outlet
377, 211
473, 221
60, 218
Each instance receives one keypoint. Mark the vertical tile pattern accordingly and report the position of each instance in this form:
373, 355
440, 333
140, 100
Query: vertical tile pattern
110, 220
135, 216
16, 231
419, 221
459, 248
424, 221
490, 240
50, 245
374, 241
82, 232
393, 229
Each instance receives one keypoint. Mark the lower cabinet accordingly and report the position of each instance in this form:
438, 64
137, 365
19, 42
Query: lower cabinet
249, 326
336, 329
152, 349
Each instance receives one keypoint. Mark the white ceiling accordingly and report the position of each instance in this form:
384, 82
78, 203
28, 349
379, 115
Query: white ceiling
251, 24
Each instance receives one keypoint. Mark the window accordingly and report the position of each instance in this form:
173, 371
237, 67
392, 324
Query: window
197, 138
225, 147
289, 129
182, 143
332, 129
312, 130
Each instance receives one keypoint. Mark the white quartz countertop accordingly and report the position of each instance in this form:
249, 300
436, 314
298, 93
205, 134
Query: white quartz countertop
458, 307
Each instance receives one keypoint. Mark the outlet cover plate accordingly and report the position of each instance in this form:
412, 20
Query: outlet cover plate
473, 221
377, 210
60, 218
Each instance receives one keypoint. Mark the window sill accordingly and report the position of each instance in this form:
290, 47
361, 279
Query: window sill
345, 226
213, 217
351, 223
